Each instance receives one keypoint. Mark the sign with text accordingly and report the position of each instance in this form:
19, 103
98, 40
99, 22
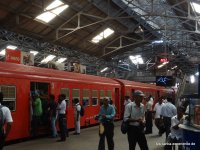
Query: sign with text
13, 56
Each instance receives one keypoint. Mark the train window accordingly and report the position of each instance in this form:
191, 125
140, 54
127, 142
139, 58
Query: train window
86, 97
75, 94
102, 95
109, 94
9, 93
66, 92
128, 93
94, 97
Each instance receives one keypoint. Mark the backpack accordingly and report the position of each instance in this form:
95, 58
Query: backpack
1, 119
82, 111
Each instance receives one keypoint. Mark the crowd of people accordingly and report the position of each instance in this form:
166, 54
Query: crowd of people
139, 113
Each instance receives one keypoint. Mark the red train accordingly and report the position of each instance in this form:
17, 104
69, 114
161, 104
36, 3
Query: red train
17, 82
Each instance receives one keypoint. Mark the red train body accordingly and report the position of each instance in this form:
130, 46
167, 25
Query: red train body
17, 82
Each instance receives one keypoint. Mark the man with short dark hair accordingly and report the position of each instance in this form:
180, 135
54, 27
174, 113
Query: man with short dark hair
62, 117
77, 109
6, 122
135, 116
168, 110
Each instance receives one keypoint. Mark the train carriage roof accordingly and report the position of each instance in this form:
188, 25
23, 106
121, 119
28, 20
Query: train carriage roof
134, 84
23, 70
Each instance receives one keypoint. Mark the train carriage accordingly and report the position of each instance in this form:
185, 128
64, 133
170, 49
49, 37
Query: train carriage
18, 82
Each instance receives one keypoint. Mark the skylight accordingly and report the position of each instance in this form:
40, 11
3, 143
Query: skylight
34, 52
103, 35
48, 58
3, 52
52, 10
60, 60
195, 7
137, 59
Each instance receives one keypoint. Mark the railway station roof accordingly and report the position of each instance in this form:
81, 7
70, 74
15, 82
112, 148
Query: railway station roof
106, 33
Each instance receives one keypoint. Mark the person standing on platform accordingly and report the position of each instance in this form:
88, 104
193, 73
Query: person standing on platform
127, 100
158, 121
5, 121
148, 115
77, 117
37, 113
106, 117
176, 133
53, 115
135, 116
62, 118
168, 110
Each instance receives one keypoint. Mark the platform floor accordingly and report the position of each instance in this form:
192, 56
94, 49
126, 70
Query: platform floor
87, 140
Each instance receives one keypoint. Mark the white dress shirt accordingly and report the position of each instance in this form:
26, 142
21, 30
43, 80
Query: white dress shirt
149, 104
7, 114
62, 107
168, 110
157, 109
134, 112
127, 102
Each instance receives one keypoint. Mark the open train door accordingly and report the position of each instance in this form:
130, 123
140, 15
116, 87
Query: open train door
39, 124
117, 103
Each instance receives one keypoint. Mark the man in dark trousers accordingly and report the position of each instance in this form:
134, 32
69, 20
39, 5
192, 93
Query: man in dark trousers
106, 117
62, 117
168, 110
5, 121
135, 115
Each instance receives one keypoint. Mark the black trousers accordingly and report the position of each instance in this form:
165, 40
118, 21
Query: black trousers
167, 124
108, 133
136, 134
63, 126
2, 140
149, 122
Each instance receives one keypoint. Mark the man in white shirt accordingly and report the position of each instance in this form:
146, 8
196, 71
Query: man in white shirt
176, 133
148, 115
158, 121
77, 109
167, 112
135, 115
5, 121
62, 117
127, 100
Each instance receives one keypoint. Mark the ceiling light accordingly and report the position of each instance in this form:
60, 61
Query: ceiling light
192, 79
157, 42
52, 10
103, 35
174, 67
60, 60
195, 7
48, 58
34, 52
104, 69
197, 73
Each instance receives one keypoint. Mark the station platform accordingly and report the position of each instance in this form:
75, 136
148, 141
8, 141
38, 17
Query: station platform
87, 140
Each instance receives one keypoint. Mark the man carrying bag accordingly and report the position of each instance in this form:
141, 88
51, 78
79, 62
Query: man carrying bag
135, 116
